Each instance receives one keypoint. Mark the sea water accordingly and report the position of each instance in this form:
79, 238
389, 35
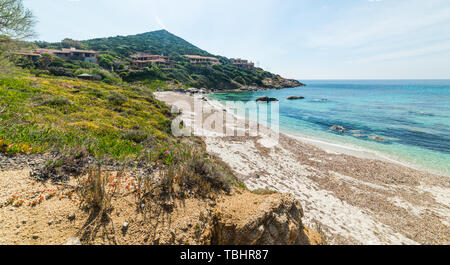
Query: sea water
412, 116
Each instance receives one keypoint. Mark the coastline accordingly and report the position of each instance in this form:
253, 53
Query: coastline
344, 148
355, 199
361, 152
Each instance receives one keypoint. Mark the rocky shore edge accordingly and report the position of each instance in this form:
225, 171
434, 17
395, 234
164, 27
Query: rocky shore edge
268, 84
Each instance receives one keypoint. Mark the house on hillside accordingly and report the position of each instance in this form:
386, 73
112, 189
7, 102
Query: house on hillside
202, 61
141, 60
72, 54
243, 64
30, 55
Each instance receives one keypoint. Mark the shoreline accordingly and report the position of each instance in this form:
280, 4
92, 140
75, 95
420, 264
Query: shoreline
348, 149
354, 200
360, 152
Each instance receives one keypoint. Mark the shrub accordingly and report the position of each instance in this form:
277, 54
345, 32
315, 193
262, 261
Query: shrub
116, 99
137, 136
95, 192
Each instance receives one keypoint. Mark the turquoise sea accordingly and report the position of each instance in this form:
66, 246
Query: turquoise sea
412, 115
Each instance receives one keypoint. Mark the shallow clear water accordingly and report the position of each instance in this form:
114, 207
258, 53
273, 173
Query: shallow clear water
412, 115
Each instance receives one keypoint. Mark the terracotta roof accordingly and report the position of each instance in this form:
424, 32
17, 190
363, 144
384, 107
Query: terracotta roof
27, 53
150, 61
201, 57
78, 51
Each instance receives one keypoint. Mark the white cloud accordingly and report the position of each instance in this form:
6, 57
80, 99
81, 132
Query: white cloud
362, 25
408, 53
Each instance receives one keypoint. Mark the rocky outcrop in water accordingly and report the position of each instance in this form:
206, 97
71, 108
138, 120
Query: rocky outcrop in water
295, 97
279, 83
265, 99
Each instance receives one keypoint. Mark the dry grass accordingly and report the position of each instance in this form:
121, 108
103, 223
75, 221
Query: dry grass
96, 193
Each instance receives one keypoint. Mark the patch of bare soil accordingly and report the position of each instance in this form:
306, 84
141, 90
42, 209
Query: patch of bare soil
33, 212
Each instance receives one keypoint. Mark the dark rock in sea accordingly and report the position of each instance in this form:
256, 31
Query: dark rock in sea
266, 99
338, 128
295, 97
377, 138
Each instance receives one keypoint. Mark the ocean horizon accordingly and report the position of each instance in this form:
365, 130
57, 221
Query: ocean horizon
411, 117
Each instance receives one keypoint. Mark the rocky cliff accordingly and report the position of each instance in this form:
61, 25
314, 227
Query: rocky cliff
248, 219
279, 83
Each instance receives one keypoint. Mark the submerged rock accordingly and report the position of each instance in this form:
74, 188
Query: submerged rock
338, 128
377, 138
265, 99
295, 97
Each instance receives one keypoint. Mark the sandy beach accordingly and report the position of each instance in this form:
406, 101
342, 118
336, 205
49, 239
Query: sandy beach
354, 198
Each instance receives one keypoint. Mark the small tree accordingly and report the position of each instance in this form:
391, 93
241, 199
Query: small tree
16, 21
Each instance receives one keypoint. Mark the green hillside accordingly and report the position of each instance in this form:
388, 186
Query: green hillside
156, 42
78, 124
114, 59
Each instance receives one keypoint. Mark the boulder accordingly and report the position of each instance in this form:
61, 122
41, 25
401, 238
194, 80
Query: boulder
295, 97
265, 99
260, 220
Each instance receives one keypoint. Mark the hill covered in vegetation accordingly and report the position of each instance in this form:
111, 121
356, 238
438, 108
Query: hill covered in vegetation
79, 124
114, 64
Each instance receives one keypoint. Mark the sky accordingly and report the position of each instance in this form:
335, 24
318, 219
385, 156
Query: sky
302, 39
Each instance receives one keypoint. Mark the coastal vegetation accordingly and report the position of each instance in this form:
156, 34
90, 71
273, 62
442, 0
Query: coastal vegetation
121, 123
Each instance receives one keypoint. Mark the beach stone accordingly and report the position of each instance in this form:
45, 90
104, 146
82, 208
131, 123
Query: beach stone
125, 226
73, 241
71, 217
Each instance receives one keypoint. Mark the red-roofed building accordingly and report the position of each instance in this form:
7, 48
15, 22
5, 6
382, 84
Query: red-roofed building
141, 60
202, 61
243, 64
72, 54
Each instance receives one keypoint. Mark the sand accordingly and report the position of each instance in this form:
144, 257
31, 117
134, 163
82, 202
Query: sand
355, 197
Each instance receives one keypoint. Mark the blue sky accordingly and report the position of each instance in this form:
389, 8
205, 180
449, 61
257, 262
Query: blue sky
303, 39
